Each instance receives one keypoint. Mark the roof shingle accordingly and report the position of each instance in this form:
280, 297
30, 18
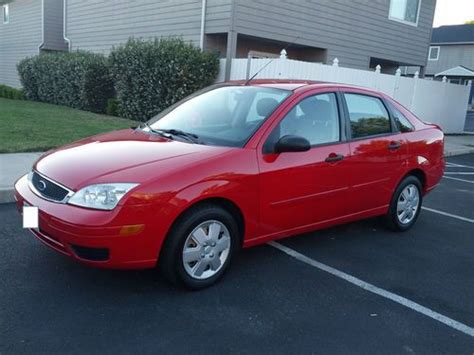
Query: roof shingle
453, 34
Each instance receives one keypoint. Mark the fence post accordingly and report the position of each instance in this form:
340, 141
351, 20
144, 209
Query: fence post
445, 79
470, 102
335, 62
249, 65
378, 69
415, 85
396, 87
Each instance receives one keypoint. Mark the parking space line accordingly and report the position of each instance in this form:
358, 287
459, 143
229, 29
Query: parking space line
457, 179
452, 165
376, 290
459, 173
448, 214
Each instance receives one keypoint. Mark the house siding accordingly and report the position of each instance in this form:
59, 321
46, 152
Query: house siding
97, 25
218, 16
53, 25
20, 38
352, 31
451, 56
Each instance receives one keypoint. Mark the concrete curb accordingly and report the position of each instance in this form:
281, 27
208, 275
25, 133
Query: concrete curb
7, 194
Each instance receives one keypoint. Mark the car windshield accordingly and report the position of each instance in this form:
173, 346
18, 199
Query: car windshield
223, 116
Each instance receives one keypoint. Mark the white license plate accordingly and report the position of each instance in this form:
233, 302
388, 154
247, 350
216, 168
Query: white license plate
30, 217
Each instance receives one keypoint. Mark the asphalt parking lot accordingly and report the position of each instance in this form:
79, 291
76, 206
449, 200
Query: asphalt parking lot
356, 288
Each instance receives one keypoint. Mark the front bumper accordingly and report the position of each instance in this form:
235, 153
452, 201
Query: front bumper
124, 238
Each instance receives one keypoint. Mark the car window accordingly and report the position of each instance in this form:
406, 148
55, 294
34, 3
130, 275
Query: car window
403, 124
368, 115
225, 116
315, 118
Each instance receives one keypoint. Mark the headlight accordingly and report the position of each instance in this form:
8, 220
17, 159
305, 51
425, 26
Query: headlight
101, 196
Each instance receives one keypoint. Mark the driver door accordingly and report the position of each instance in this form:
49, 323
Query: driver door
304, 189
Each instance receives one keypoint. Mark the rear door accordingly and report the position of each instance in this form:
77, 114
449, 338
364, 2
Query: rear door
377, 150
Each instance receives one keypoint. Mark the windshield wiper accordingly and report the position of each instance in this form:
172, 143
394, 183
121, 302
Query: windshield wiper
174, 132
155, 131
177, 132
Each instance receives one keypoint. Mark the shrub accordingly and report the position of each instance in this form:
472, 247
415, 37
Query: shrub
11, 93
152, 75
77, 79
112, 107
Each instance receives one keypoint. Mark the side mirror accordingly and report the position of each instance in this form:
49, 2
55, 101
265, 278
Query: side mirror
292, 144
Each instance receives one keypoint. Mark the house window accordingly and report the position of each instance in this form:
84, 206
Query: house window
6, 13
406, 11
434, 53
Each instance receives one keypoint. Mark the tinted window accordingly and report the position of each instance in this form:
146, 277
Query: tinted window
315, 118
226, 116
403, 124
368, 116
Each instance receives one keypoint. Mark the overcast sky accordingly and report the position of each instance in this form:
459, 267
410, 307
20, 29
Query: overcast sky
453, 12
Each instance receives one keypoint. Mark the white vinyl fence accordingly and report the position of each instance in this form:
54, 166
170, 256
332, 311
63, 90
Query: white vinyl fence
432, 101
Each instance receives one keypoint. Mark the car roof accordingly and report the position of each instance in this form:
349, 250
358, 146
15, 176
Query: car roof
300, 85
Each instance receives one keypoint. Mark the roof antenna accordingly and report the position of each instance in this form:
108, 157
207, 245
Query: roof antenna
270, 62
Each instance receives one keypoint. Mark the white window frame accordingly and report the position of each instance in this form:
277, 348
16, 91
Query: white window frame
429, 53
5, 14
415, 24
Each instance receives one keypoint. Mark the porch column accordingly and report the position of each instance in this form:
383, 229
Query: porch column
422, 71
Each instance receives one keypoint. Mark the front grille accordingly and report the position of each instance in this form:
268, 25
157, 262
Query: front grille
47, 188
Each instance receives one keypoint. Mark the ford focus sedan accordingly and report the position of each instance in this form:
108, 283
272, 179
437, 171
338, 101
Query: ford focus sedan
232, 166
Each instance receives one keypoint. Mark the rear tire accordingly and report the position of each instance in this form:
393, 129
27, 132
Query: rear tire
405, 205
199, 248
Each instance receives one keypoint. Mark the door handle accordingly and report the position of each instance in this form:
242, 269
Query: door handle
332, 158
394, 145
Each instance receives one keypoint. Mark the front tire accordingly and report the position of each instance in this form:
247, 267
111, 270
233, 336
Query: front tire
199, 247
406, 204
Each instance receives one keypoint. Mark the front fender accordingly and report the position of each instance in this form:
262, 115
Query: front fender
242, 194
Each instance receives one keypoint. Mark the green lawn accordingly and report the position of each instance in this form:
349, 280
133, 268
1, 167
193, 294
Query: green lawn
27, 126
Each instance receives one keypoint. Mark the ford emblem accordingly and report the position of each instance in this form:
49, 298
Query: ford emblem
41, 185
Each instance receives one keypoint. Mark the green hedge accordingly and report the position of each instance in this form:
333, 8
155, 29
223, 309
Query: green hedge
151, 75
11, 93
77, 79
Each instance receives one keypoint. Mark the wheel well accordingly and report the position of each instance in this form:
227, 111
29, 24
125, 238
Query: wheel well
420, 175
226, 204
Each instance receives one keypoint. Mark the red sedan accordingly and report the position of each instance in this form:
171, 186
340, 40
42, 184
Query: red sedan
232, 166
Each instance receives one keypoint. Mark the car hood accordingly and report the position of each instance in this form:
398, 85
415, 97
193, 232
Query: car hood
121, 156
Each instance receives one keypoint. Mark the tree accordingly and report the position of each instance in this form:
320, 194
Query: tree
470, 22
